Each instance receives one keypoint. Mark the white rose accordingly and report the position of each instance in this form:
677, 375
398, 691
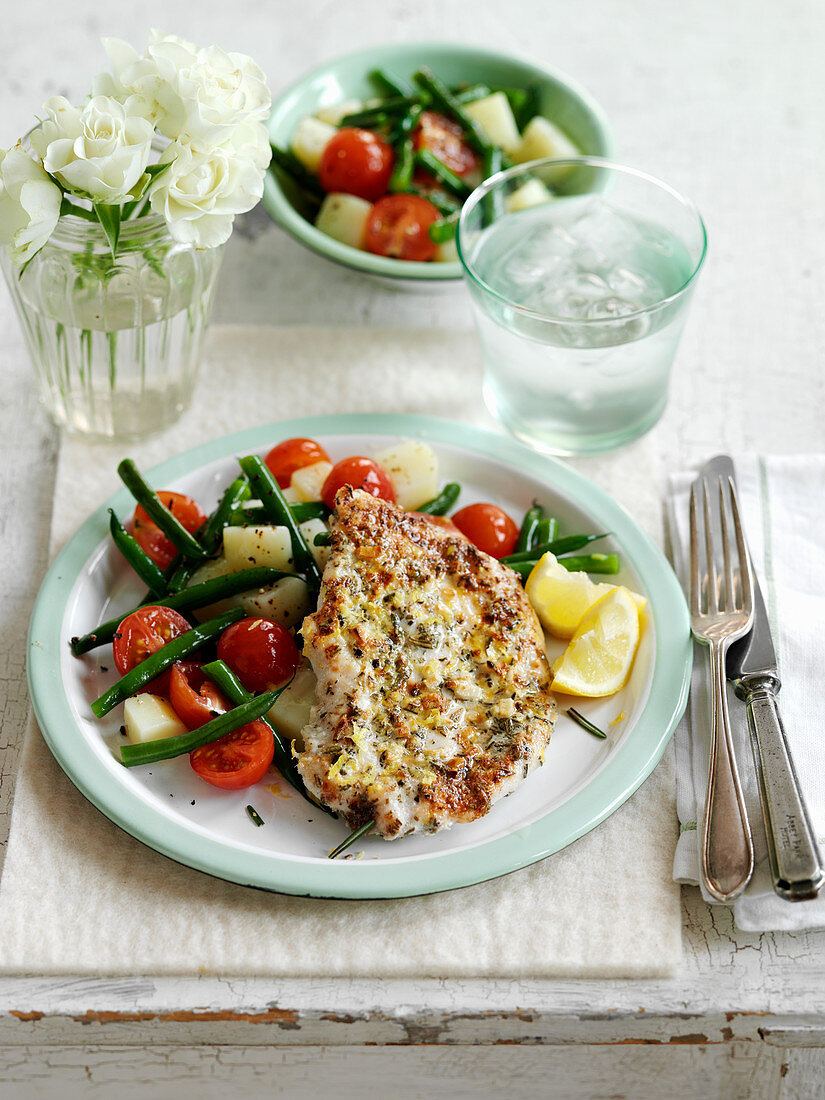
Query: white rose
99, 151
201, 94
202, 191
250, 140
29, 204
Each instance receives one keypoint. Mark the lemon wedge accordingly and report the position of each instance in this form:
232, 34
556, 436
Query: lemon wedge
562, 599
599, 657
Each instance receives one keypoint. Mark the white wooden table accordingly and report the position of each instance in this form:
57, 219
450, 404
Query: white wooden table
726, 101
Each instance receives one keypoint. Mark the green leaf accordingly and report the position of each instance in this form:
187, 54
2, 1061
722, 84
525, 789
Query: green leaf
69, 207
109, 217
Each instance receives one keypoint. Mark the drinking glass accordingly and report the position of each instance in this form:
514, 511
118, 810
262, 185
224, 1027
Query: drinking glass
580, 273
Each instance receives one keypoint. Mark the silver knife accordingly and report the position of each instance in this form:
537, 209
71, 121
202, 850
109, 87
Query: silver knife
796, 865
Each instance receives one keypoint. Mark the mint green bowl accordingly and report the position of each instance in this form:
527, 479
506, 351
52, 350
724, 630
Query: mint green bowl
559, 99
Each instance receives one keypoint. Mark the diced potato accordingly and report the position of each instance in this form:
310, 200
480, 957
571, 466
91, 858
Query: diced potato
215, 567
336, 111
148, 717
309, 529
290, 712
413, 470
541, 138
344, 218
245, 547
531, 193
309, 480
309, 141
495, 117
291, 496
447, 252
286, 601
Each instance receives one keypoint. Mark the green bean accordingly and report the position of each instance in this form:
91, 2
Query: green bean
211, 535
188, 599
236, 693
443, 202
136, 556
565, 545
403, 168
162, 659
445, 176
323, 538
385, 83
165, 748
444, 229
406, 124
524, 103
471, 93
440, 505
586, 563
301, 512
371, 117
446, 101
301, 175
492, 204
151, 503
532, 518
591, 563
272, 499
546, 531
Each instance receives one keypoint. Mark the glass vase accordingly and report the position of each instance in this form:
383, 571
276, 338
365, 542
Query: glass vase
115, 343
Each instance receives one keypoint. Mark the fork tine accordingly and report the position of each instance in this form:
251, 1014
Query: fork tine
713, 591
745, 579
727, 558
695, 578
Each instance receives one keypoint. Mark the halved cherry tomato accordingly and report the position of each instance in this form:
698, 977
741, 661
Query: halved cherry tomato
187, 512
291, 455
360, 473
142, 633
194, 698
445, 139
399, 226
489, 527
236, 760
358, 162
261, 653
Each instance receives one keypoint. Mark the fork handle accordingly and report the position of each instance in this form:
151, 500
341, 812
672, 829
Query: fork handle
796, 865
727, 846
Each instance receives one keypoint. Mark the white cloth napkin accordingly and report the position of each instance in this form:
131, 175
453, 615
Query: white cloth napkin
781, 503
79, 896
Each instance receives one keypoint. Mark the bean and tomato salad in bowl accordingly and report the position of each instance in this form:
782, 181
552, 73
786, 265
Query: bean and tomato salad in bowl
389, 175
210, 660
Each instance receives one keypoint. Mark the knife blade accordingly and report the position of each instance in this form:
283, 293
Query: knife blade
796, 865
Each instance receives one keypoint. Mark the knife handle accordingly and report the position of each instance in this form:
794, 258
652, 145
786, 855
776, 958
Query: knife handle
796, 865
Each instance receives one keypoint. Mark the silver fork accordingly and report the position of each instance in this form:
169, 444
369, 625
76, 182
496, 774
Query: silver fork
721, 609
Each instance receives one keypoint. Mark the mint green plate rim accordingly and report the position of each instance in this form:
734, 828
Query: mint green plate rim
622, 774
284, 213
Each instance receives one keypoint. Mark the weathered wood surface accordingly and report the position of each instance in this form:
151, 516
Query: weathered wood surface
726, 101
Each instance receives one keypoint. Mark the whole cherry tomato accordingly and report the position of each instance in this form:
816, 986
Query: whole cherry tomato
399, 226
489, 527
360, 473
236, 760
262, 654
142, 633
357, 162
185, 510
291, 455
